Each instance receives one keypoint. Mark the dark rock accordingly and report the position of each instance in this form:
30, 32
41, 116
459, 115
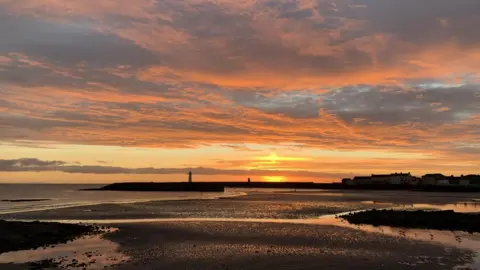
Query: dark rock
420, 219
48, 263
16, 235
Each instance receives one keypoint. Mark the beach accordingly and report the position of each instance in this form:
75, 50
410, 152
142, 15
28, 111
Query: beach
270, 229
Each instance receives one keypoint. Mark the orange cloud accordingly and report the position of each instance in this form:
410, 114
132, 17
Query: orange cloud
307, 44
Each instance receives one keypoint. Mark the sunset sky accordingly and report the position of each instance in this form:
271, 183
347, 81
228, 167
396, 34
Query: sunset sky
120, 90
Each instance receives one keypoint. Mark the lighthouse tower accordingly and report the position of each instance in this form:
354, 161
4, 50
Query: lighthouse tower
190, 176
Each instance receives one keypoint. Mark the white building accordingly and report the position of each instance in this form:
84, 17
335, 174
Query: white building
392, 179
400, 178
443, 182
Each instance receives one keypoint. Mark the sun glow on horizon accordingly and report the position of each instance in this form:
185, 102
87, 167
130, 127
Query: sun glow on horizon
274, 178
273, 158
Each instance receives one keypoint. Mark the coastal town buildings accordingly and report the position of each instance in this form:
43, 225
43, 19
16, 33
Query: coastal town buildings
436, 179
379, 179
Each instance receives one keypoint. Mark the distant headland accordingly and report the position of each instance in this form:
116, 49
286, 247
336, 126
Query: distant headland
170, 186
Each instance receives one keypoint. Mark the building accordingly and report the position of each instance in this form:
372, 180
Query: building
440, 179
433, 179
392, 179
400, 179
415, 181
380, 179
464, 182
348, 181
443, 182
386, 179
362, 180
473, 179
454, 180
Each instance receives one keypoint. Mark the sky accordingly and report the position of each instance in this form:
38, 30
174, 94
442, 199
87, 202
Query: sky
276, 90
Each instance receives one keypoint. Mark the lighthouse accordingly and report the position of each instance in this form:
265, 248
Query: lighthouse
190, 176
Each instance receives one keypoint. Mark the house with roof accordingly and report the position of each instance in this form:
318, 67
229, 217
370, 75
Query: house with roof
414, 181
455, 181
348, 181
471, 179
434, 179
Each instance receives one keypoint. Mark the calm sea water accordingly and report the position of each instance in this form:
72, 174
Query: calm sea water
68, 195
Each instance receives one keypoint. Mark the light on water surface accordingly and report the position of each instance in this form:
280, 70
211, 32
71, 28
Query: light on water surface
89, 252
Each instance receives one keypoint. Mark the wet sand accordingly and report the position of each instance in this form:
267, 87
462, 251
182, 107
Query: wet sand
238, 245
184, 244
234, 245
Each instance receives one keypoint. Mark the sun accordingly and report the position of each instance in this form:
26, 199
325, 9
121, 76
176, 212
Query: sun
274, 178
273, 158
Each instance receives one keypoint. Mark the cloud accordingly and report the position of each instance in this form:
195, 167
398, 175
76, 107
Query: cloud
294, 104
421, 23
27, 164
68, 44
396, 105
264, 44
356, 117
36, 165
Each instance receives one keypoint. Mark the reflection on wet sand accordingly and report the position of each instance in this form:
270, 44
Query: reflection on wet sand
447, 238
89, 252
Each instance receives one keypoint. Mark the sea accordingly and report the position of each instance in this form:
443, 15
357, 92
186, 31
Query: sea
15, 198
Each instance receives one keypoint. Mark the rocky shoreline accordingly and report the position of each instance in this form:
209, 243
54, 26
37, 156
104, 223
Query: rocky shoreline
420, 219
16, 235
